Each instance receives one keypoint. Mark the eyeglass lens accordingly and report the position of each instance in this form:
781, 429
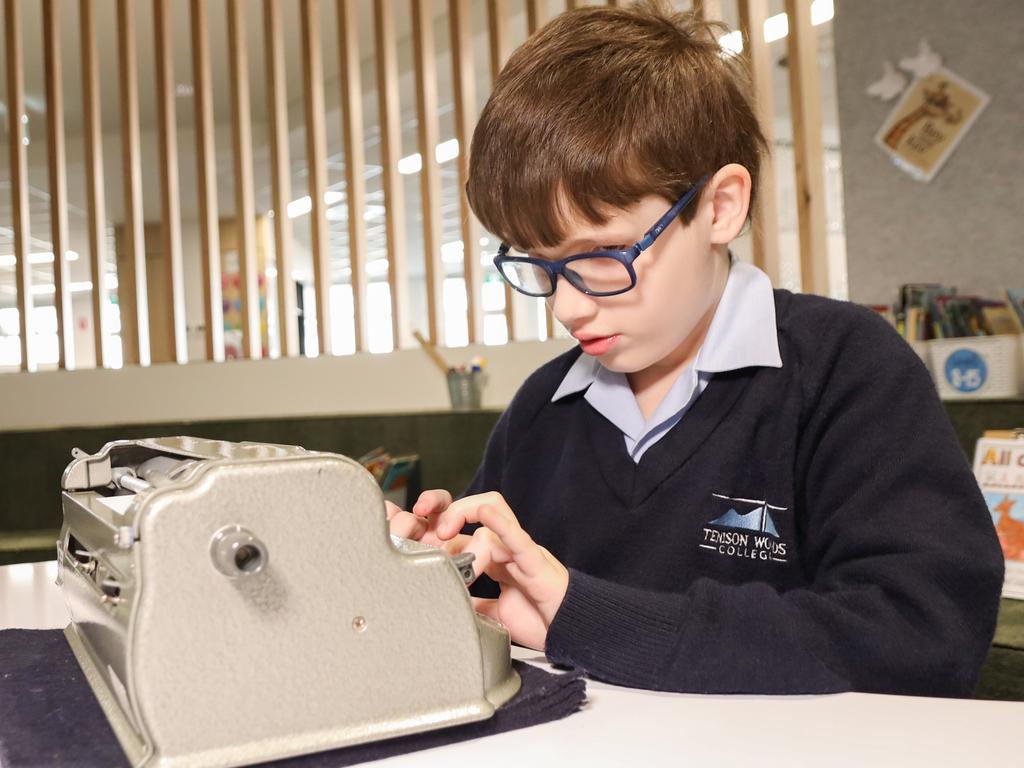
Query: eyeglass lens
594, 274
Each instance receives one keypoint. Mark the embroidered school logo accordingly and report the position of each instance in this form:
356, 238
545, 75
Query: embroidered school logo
744, 528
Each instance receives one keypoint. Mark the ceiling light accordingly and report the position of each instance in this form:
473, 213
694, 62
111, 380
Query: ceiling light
777, 27
377, 268
447, 150
36, 258
300, 207
410, 164
451, 253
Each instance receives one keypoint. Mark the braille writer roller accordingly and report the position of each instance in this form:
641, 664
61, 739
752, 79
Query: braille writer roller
234, 603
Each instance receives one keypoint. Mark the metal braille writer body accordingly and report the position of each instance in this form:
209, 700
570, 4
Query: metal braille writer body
188, 563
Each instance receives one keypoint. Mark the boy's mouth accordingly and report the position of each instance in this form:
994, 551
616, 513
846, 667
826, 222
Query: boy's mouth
596, 346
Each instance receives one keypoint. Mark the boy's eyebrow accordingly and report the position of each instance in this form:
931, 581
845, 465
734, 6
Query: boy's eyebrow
577, 244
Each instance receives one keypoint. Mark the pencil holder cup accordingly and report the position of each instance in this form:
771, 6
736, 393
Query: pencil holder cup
464, 390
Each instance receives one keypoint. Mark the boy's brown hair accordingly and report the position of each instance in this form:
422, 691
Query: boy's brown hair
602, 107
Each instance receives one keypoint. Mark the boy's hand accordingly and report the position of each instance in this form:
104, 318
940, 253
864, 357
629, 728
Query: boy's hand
533, 582
421, 524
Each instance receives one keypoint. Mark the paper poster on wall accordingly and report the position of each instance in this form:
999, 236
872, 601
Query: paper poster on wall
931, 118
999, 468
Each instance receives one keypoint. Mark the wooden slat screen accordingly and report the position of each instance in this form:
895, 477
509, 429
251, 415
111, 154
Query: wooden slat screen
245, 205
765, 229
428, 132
316, 157
206, 167
152, 306
280, 175
355, 164
805, 108
389, 111
58, 180
536, 16
463, 80
19, 178
170, 189
133, 295
95, 203
497, 31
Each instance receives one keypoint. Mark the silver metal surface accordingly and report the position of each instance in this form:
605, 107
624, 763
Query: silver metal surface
234, 603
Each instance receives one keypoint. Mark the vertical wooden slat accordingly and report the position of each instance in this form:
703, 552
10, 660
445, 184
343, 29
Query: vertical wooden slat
58, 178
710, 10
463, 80
355, 184
170, 192
536, 15
206, 182
245, 204
95, 203
390, 151
132, 293
280, 175
19, 178
571, 5
428, 132
805, 107
497, 34
765, 223
316, 159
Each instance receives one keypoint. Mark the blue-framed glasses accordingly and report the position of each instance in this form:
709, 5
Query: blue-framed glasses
606, 272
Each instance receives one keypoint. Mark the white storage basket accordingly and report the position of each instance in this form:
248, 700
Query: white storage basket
924, 352
978, 366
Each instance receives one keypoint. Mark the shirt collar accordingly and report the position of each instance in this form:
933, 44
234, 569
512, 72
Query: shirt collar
742, 334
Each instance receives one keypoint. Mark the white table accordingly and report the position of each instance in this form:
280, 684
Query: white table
623, 726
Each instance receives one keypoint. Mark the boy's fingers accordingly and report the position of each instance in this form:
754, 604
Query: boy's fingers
454, 546
467, 510
491, 510
431, 502
488, 551
486, 606
407, 525
391, 509
524, 551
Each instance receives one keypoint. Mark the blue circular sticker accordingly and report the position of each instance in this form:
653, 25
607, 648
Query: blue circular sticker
966, 370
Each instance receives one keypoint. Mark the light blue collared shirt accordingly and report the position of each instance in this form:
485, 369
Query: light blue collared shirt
742, 334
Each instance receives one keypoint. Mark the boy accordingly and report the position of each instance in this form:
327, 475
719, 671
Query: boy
724, 489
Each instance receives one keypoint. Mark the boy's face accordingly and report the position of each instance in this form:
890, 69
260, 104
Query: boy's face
679, 281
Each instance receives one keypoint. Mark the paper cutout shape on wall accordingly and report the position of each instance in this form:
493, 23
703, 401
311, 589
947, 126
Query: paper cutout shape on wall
890, 86
926, 63
929, 121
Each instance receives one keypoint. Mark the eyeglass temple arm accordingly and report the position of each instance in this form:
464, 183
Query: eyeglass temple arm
669, 216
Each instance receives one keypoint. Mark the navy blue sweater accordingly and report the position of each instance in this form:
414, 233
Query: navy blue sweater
809, 529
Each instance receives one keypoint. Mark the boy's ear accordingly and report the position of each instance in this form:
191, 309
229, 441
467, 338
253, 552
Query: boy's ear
729, 193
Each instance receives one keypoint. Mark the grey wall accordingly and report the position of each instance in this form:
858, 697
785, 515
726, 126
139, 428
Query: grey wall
965, 228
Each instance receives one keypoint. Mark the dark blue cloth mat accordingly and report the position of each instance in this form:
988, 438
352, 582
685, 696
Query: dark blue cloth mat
49, 716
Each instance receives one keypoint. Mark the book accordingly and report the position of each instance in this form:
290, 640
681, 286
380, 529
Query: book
999, 469
1015, 297
1000, 318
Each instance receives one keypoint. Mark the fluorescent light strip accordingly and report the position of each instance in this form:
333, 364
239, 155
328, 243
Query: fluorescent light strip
777, 27
48, 289
36, 258
304, 204
443, 152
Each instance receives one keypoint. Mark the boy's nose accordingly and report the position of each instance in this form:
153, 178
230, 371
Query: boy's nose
571, 307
